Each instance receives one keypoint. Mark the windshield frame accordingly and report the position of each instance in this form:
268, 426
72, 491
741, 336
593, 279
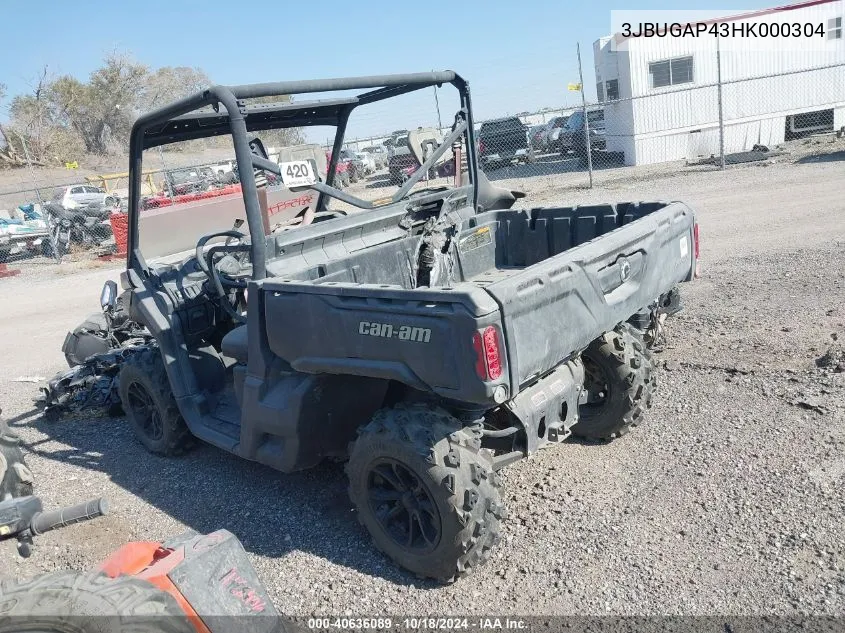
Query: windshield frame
189, 119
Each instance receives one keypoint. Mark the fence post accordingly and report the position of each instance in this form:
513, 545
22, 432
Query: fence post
164, 173
721, 112
586, 121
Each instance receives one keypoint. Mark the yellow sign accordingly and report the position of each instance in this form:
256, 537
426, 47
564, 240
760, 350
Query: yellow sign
575, 86
73, 165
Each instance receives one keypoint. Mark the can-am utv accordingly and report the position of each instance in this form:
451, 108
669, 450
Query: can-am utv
431, 336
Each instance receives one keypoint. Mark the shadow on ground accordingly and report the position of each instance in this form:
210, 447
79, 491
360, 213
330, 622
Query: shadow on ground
822, 158
551, 165
208, 489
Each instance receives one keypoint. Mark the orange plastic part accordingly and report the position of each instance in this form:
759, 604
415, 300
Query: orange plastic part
151, 562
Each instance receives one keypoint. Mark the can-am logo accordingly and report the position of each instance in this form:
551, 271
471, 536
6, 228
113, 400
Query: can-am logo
402, 332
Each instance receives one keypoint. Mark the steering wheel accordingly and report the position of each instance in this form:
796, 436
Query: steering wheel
201, 255
205, 262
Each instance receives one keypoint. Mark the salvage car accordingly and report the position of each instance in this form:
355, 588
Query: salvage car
430, 339
76, 196
180, 182
379, 154
503, 141
22, 231
573, 136
368, 161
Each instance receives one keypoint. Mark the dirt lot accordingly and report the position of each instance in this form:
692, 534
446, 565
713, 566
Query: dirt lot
728, 500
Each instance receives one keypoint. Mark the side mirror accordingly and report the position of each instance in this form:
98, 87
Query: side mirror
108, 297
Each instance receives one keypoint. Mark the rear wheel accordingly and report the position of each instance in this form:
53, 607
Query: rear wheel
51, 251
149, 404
425, 491
619, 378
15, 477
69, 602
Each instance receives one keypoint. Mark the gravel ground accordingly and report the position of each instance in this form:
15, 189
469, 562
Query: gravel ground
727, 501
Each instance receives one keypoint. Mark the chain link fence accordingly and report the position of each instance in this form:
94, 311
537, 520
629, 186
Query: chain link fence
673, 124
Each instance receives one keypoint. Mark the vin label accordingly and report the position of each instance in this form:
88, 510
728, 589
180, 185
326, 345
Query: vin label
401, 332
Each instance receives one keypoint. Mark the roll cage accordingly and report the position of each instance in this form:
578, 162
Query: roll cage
184, 120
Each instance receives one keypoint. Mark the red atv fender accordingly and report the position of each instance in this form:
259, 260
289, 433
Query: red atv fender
209, 576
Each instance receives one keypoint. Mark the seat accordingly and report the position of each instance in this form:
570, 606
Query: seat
236, 344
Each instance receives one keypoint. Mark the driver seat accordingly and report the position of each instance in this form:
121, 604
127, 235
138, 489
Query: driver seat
236, 344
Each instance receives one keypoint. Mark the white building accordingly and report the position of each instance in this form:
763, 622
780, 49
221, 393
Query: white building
661, 93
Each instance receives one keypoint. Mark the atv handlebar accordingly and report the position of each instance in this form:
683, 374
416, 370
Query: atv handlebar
45, 521
21, 518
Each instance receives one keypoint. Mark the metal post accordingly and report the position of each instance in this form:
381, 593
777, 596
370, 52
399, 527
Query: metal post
164, 171
437, 104
721, 113
586, 122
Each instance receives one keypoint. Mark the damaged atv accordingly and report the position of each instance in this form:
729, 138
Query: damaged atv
95, 351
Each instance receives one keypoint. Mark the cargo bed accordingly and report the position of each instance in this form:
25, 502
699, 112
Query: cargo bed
551, 280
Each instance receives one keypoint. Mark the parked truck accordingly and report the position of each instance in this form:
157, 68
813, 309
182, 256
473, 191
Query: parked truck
503, 141
430, 339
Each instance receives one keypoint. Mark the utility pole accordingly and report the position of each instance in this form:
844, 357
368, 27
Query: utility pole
586, 121
437, 105
721, 111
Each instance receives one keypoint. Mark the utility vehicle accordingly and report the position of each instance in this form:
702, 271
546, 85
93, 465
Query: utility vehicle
431, 337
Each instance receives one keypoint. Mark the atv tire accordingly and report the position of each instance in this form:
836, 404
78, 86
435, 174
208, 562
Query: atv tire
425, 491
70, 602
619, 379
149, 404
15, 477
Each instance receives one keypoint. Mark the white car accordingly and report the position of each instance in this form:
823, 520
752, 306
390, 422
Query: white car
369, 162
77, 196
379, 154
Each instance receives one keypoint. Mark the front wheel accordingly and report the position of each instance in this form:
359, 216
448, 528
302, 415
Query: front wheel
619, 378
149, 404
424, 490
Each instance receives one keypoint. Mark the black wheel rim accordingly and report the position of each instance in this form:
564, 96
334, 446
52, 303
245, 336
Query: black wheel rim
597, 385
403, 506
144, 411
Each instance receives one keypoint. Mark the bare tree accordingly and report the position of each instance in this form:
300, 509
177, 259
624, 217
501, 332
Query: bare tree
103, 109
169, 84
35, 122
8, 155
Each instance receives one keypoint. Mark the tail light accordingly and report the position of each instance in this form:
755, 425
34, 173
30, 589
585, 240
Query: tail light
488, 360
480, 146
696, 248
695, 240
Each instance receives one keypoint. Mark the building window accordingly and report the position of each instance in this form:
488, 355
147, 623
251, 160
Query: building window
834, 29
670, 72
612, 89
600, 91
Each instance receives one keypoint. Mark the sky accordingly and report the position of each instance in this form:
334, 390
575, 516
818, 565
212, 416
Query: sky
517, 56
